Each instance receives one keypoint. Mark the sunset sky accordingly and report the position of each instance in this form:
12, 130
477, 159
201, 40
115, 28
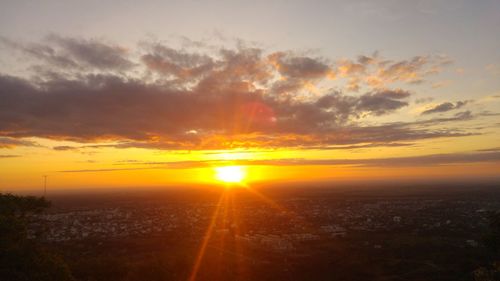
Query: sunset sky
162, 93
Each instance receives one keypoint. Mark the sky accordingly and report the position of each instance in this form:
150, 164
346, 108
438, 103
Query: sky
161, 93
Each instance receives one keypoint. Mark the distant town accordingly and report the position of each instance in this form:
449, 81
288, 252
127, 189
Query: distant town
271, 228
293, 227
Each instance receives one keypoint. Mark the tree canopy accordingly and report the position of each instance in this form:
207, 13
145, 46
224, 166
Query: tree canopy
23, 259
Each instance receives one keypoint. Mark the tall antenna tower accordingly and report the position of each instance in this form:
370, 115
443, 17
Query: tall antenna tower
44, 185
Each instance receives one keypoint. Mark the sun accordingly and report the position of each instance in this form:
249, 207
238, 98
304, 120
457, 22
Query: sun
230, 174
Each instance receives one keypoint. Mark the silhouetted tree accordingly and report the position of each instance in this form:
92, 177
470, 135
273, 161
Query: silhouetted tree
23, 259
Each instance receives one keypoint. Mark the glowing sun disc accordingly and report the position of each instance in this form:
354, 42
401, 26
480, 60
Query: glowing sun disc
230, 174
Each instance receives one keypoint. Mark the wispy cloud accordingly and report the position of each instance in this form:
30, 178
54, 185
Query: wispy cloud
6, 142
486, 156
9, 156
74, 53
445, 106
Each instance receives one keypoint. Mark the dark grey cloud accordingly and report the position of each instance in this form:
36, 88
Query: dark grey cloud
445, 106
459, 116
65, 148
178, 63
382, 102
299, 67
12, 142
296, 73
377, 102
365, 60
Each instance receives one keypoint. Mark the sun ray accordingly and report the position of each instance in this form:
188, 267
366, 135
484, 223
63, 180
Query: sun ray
237, 232
206, 238
222, 236
226, 209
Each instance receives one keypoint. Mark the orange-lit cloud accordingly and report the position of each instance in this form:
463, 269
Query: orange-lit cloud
375, 71
484, 156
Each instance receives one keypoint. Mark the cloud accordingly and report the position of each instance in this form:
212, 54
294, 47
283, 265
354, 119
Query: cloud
493, 149
424, 160
92, 52
375, 71
183, 99
178, 63
360, 146
74, 53
8, 156
102, 107
292, 66
64, 148
273, 146
445, 106
383, 102
411, 161
12, 142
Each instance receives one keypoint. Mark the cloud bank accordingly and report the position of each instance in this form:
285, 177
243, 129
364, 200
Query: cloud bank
158, 96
